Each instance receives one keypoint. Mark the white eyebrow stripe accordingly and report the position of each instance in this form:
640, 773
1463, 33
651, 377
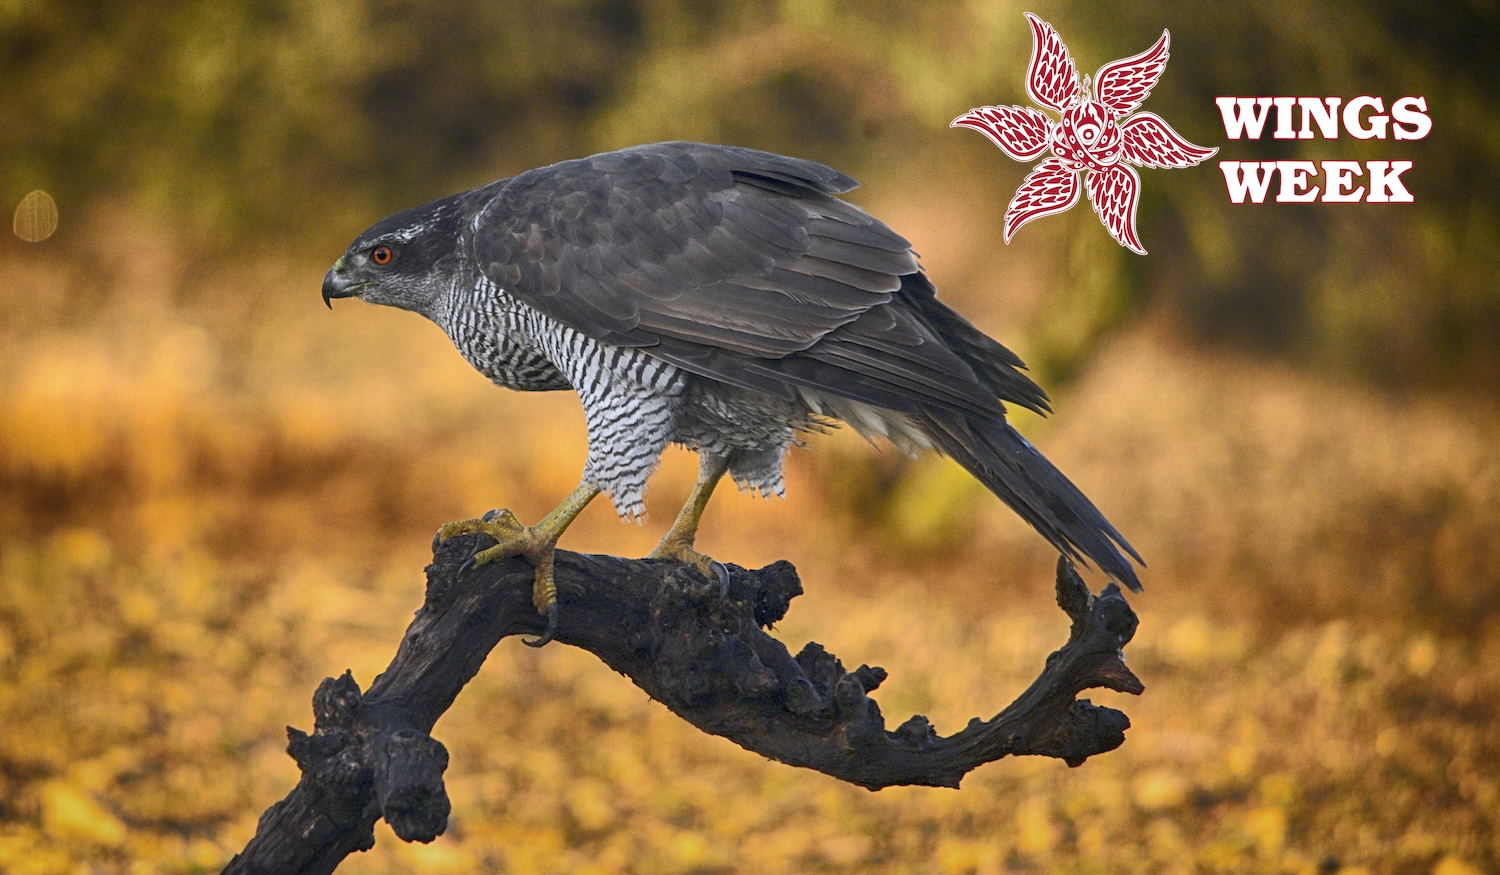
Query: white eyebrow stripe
406, 235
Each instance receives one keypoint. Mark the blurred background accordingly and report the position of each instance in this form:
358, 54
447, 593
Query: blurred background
214, 493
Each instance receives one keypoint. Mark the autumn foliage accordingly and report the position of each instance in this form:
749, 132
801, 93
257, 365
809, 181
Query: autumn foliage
214, 493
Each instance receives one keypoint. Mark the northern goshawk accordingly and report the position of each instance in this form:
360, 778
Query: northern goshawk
719, 298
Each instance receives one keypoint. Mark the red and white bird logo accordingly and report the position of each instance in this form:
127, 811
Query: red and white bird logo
1090, 139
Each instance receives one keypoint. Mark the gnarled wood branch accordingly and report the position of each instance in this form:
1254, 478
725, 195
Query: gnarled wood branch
704, 656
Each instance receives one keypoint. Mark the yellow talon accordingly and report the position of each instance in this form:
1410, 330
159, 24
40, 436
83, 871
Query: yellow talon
537, 544
677, 551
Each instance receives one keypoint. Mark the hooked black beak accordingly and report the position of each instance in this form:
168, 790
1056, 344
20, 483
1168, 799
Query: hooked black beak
336, 284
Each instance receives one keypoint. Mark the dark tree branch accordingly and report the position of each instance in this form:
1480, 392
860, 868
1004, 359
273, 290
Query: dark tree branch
705, 657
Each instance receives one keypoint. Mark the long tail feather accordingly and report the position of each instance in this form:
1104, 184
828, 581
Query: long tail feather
993, 451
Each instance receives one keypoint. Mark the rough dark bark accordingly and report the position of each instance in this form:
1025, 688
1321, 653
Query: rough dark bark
704, 656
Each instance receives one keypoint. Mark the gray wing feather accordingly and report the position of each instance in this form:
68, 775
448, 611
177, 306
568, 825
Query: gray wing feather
739, 265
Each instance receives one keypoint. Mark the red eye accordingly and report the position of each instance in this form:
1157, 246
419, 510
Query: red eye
382, 255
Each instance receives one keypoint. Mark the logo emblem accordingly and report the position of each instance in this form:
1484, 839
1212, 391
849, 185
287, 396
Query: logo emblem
1096, 137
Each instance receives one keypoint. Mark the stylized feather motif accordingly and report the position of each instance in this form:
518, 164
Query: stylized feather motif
1125, 84
1115, 192
1051, 78
1151, 142
1020, 131
1051, 187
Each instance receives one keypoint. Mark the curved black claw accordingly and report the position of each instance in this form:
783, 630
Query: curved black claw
722, 574
467, 565
551, 629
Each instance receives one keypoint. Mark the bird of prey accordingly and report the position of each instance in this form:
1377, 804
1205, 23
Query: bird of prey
719, 298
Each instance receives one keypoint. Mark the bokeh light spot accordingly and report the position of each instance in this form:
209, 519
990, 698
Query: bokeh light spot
36, 217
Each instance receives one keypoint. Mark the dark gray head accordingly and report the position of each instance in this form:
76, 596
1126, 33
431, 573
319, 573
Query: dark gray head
406, 260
